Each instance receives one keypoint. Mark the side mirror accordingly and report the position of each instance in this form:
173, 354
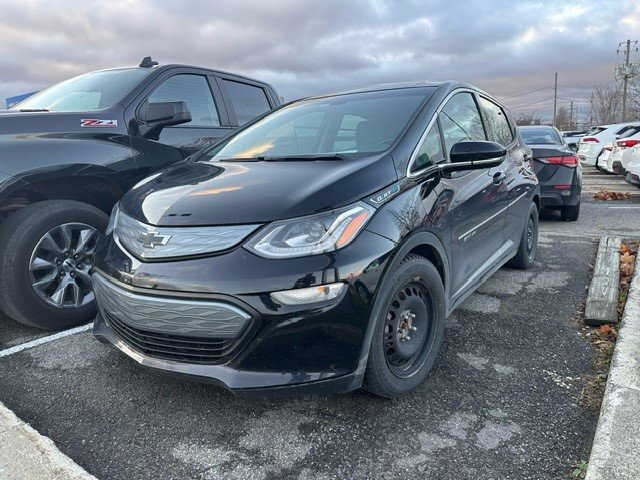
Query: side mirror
470, 155
156, 116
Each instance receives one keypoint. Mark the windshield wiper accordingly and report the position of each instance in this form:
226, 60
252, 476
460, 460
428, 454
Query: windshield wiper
292, 158
31, 110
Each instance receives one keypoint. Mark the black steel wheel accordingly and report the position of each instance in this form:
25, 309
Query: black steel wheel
409, 317
528, 246
407, 328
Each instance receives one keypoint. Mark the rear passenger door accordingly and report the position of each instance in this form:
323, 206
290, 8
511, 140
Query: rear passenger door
245, 100
502, 131
478, 200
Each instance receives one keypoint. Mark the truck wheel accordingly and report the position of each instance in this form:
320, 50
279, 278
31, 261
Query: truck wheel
528, 242
409, 330
46, 252
570, 213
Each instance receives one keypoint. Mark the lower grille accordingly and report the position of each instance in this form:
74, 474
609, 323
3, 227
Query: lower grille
172, 347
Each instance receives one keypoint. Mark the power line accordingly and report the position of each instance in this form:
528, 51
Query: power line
525, 93
532, 103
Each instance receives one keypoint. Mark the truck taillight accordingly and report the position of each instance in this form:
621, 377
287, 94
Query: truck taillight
566, 160
590, 140
627, 143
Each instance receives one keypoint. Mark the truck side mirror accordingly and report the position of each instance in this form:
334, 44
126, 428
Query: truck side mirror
156, 116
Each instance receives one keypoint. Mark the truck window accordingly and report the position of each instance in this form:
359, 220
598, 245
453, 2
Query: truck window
193, 89
248, 101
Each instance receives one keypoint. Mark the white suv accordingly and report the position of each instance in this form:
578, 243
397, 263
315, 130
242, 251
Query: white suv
621, 153
591, 145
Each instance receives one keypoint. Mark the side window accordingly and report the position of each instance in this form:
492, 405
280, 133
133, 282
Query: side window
193, 89
248, 101
430, 151
460, 120
497, 122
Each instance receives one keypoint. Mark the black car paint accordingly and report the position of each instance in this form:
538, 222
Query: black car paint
467, 223
48, 155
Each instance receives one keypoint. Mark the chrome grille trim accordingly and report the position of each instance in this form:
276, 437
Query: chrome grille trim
180, 241
173, 316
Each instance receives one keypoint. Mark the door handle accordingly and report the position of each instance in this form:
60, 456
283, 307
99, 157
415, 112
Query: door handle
498, 178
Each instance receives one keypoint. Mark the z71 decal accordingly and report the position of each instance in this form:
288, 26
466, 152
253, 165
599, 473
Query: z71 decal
98, 122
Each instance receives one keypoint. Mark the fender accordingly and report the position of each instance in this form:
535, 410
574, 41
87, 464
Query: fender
31, 158
408, 244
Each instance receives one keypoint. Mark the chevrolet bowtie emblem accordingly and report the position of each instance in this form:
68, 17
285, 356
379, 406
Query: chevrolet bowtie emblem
152, 239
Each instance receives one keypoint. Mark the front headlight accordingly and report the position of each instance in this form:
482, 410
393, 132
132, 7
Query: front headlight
112, 220
312, 235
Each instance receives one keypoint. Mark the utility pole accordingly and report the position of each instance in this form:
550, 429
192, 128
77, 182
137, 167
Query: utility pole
625, 81
590, 110
555, 98
571, 123
626, 71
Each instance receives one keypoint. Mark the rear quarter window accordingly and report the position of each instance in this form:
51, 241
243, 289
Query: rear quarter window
249, 101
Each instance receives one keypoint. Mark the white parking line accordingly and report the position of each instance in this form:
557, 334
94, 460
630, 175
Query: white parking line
624, 207
43, 340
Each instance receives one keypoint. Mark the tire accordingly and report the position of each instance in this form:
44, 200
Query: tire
526, 255
570, 213
27, 259
418, 281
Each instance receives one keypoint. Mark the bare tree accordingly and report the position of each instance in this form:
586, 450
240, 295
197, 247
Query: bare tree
528, 118
633, 98
605, 103
564, 120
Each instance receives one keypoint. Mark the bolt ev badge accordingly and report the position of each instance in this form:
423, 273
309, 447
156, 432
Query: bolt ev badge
151, 239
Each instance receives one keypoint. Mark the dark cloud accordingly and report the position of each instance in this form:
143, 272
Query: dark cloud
309, 47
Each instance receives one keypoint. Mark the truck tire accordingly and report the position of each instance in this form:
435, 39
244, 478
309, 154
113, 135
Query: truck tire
46, 252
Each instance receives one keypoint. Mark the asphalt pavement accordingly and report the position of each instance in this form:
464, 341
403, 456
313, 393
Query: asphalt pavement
501, 402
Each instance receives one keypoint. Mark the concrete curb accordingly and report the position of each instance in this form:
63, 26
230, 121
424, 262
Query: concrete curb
27, 455
616, 446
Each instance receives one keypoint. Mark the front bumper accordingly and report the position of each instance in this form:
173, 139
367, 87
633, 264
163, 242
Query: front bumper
265, 348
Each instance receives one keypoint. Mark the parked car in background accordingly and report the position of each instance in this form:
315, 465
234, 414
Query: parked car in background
603, 157
633, 167
322, 247
621, 152
592, 144
558, 170
572, 137
69, 152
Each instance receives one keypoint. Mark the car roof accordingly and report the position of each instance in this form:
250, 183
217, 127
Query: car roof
526, 127
447, 86
177, 65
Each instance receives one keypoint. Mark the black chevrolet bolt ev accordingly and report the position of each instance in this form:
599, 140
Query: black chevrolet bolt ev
320, 248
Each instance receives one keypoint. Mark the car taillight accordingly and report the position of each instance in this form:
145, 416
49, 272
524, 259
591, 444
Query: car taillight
627, 143
566, 160
590, 140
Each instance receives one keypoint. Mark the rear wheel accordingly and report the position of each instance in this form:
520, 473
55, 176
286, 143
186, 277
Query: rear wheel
570, 213
409, 330
46, 252
528, 242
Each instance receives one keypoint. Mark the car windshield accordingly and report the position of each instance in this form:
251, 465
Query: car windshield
356, 123
85, 93
540, 136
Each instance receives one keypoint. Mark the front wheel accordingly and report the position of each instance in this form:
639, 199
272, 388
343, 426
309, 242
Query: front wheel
528, 242
409, 329
46, 252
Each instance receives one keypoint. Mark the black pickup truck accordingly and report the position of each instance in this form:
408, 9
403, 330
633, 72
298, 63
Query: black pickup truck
69, 152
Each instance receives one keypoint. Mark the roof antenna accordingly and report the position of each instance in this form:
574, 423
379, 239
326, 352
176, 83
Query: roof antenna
147, 62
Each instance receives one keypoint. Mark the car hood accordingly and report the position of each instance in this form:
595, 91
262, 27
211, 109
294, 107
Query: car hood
13, 122
226, 193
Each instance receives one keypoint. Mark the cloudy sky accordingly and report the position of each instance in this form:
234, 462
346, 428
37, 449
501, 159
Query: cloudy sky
509, 48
